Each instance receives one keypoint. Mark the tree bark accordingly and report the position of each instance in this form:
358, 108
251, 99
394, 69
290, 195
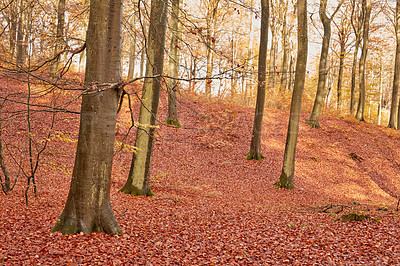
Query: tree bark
396, 77
340, 74
255, 145
88, 208
139, 174
323, 71
132, 47
210, 43
323, 63
173, 69
363, 59
285, 50
357, 31
59, 37
287, 175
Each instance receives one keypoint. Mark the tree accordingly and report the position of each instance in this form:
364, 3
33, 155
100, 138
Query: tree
255, 145
356, 18
396, 77
173, 66
59, 37
88, 208
363, 59
343, 33
323, 70
138, 178
212, 9
132, 44
287, 175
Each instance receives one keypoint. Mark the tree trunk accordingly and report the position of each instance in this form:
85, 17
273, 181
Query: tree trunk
323, 71
20, 37
6, 183
255, 146
88, 208
396, 77
285, 50
139, 174
363, 59
357, 31
340, 75
287, 175
59, 37
173, 70
210, 43
132, 48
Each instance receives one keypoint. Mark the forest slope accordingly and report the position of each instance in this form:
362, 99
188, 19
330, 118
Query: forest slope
214, 207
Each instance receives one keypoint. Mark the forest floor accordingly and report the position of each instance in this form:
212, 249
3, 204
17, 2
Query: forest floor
213, 207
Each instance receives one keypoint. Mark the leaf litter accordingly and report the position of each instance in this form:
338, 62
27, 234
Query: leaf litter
212, 206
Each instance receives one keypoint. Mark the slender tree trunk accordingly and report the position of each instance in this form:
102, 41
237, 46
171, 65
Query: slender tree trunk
396, 77
323, 71
363, 59
6, 183
285, 49
59, 37
173, 70
88, 208
210, 43
357, 26
139, 174
132, 48
255, 146
340, 75
380, 94
287, 175
20, 36
143, 55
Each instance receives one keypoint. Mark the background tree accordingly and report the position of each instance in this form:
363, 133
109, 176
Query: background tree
287, 175
255, 145
88, 208
173, 70
357, 20
137, 182
59, 37
363, 59
323, 70
396, 77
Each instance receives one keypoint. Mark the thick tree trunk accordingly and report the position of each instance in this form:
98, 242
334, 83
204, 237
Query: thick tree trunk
173, 69
59, 37
287, 175
255, 145
139, 174
363, 59
88, 208
396, 77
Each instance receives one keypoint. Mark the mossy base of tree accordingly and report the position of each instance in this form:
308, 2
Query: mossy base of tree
252, 156
173, 122
284, 182
313, 123
355, 217
71, 224
132, 190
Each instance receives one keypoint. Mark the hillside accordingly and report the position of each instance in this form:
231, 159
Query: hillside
214, 207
